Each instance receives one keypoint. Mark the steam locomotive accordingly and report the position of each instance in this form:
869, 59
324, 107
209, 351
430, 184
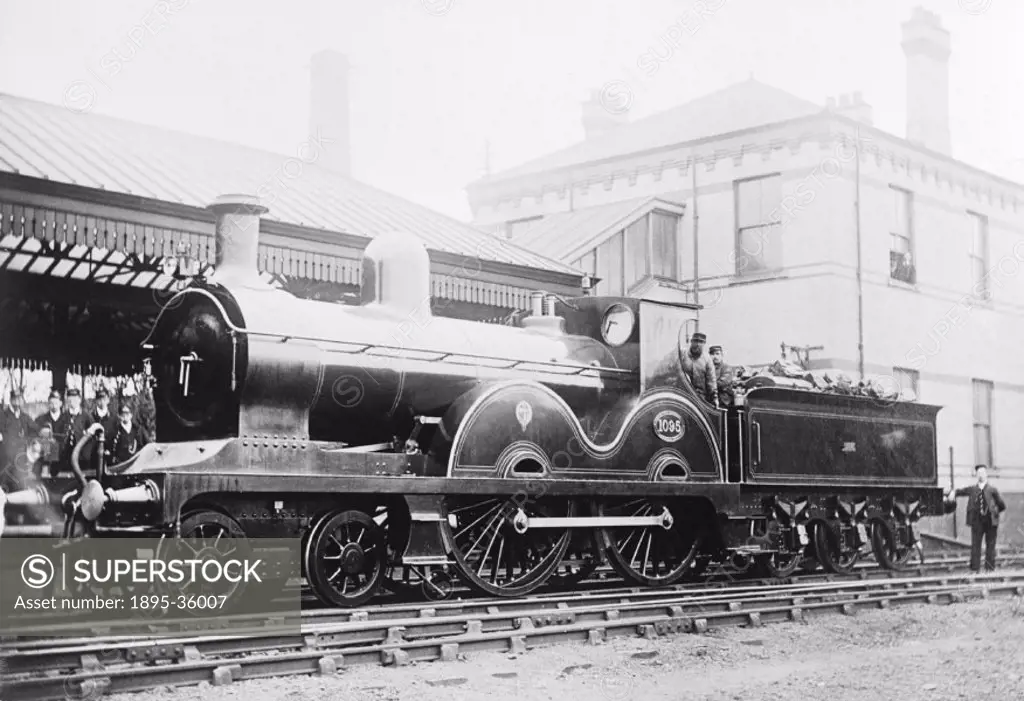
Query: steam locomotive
384, 436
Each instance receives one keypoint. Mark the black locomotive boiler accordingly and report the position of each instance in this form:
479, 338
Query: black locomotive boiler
387, 437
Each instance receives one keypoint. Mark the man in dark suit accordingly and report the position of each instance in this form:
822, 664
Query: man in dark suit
983, 508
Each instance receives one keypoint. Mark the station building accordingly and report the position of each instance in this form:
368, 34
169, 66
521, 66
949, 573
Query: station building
803, 224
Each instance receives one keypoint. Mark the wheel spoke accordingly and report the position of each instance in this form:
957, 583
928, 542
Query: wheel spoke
496, 560
344, 564
473, 506
483, 560
460, 533
648, 555
636, 550
496, 519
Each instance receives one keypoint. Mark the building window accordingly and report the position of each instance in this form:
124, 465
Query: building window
979, 256
517, 226
901, 238
665, 245
907, 383
758, 227
982, 422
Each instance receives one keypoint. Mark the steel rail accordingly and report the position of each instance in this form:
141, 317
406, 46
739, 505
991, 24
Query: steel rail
430, 622
718, 579
714, 582
324, 649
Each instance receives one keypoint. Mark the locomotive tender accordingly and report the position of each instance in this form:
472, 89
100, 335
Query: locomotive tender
385, 437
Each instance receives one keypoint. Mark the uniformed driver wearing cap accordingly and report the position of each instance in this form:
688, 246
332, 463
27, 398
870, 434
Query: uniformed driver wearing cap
698, 368
725, 373
77, 421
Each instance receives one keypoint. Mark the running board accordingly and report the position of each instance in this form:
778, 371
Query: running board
522, 523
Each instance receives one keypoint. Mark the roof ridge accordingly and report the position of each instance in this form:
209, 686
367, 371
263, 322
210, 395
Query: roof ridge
542, 163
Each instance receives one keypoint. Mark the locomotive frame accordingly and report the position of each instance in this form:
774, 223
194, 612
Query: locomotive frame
495, 451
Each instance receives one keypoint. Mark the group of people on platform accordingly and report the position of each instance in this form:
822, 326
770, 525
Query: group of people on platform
31, 449
708, 373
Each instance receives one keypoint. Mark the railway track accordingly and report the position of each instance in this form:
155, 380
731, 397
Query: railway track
603, 583
331, 640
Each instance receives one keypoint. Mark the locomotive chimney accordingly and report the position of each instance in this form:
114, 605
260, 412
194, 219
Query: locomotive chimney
237, 239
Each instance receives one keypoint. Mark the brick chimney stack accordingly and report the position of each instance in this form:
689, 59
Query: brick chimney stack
927, 48
329, 110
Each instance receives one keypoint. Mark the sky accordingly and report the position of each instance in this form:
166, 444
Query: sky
434, 81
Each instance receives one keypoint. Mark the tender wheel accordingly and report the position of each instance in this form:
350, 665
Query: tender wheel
492, 556
889, 552
779, 564
345, 559
829, 552
649, 555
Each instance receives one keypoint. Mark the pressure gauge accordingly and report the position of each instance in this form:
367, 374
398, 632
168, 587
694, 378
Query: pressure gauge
617, 325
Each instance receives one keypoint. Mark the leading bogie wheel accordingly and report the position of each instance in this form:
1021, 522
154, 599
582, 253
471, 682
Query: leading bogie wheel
346, 558
493, 555
205, 535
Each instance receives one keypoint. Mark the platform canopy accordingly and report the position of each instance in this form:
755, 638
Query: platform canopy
91, 205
